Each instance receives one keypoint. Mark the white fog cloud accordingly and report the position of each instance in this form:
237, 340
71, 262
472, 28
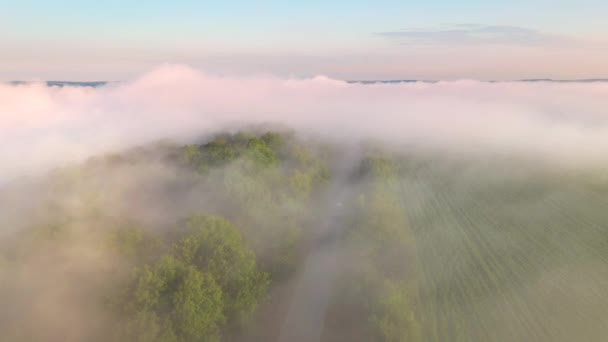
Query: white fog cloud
43, 127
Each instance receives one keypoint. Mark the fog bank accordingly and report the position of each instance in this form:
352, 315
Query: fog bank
44, 127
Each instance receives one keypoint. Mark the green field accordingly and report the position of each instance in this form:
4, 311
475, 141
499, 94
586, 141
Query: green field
508, 252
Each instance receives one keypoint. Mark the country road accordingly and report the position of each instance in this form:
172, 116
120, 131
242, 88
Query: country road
306, 314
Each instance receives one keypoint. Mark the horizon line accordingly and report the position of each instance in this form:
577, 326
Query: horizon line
97, 83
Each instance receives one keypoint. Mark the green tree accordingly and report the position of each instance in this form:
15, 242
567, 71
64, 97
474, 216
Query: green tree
260, 153
214, 245
173, 302
134, 243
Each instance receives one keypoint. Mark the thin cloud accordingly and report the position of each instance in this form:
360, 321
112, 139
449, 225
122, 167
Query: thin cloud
475, 34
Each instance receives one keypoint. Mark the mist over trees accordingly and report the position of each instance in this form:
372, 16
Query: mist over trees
208, 241
244, 203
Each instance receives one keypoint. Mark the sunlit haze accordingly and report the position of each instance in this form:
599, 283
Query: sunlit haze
303, 171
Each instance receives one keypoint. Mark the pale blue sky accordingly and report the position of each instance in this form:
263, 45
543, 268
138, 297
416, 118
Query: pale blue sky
355, 39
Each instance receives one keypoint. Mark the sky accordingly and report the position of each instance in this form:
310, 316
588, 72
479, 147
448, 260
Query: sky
381, 39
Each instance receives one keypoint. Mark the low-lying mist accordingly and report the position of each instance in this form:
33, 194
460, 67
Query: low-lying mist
183, 206
43, 127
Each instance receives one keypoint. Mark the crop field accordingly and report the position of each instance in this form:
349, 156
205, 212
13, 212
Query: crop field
508, 253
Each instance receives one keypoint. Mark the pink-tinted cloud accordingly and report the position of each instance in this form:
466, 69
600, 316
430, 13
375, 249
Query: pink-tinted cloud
43, 127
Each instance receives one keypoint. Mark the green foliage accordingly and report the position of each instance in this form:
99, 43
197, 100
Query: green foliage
309, 164
219, 151
198, 306
267, 188
262, 155
191, 155
213, 245
86, 267
211, 273
208, 279
135, 243
276, 141
173, 301
300, 183
127, 241
227, 148
245, 187
385, 278
392, 318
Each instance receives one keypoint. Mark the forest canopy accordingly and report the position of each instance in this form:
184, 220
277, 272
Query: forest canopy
238, 215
